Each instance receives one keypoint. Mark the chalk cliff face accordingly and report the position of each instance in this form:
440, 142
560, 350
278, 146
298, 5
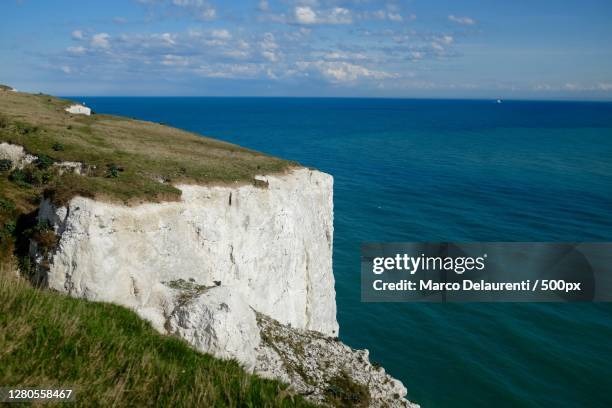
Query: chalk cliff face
271, 243
240, 272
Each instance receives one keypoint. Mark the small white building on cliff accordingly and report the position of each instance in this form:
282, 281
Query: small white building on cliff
78, 109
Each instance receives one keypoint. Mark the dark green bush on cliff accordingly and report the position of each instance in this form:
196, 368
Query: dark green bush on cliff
5, 165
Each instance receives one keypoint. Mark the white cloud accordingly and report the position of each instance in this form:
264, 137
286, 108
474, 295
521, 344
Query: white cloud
66, 69
239, 54
337, 15
269, 48
397, 17
78, 50
305, 15
270, 56
230, 71
201, 9
416, 55
77, 35
340, 71
392, 15
605, 86
221, 34
447, 39
574, 87
208, 14
168, 39
100, 40
461, 20
175, 60
340, 55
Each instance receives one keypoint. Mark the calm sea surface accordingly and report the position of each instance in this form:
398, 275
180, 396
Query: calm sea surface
422, 170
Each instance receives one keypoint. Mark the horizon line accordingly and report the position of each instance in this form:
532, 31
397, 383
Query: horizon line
527, 99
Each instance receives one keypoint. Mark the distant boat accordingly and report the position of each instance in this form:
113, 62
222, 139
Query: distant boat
498, 101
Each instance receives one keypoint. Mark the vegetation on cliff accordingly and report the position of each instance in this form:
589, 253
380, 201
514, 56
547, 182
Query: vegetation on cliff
112, 357
108, 353
123, 159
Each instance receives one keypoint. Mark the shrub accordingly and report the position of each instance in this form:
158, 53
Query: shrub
113, 170
20, 178
6, 165
44, 162
30, 176
57, 146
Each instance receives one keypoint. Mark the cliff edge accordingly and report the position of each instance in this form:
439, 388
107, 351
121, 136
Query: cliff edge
240, 269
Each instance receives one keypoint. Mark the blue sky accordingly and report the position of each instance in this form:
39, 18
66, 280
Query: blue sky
413, 48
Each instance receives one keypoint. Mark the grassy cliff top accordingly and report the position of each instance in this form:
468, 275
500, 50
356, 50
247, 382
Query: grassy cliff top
125, 159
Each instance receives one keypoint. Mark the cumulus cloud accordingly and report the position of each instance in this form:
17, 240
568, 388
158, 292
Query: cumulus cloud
230, 71
269, 48
395, 17
341, 71
77, 35
175, 61
372, 53
221, 34
201, 9
340, 55
100, 40
305, 15
461, 20
337, 15
78, 50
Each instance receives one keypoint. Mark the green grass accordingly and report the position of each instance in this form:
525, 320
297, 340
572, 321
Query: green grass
113, 357
139, 152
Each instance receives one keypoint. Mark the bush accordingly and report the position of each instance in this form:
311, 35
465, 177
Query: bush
43, 162
30, 176
20, 178
6, 165
58, 146
113, 170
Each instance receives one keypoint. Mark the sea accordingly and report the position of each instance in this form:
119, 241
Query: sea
410, 170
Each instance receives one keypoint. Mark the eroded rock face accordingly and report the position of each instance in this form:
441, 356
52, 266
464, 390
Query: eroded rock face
16, 154
20, 158
325, 369
273, 244
242, 272
217, 321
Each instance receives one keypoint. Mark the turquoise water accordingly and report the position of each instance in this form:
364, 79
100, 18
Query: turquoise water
419, 170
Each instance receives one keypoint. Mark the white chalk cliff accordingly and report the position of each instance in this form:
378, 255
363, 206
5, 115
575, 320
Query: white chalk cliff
241, 271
